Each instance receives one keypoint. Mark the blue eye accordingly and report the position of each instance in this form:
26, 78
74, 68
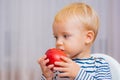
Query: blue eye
66, 36
55, 37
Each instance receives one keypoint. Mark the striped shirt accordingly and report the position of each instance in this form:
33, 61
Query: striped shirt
90, 69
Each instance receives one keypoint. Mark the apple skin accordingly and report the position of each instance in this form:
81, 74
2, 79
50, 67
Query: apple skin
54, 55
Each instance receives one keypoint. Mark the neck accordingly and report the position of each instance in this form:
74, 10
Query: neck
84, 54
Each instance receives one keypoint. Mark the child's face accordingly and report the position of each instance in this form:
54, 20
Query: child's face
70, 37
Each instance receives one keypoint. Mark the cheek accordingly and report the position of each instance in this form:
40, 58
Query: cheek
73, 43
76, 46
72, 47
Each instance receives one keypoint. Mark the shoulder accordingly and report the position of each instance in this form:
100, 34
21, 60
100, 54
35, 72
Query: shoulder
93, 61
102, 64
100, 60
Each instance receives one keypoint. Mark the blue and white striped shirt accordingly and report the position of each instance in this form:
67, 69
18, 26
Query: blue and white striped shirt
90, 69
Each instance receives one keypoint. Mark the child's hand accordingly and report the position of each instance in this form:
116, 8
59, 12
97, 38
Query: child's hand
46, 70
68, 68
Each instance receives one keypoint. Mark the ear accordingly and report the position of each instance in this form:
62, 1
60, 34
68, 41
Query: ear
89, 37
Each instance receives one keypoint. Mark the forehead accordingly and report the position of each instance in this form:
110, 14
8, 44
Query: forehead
67, 26
68, 23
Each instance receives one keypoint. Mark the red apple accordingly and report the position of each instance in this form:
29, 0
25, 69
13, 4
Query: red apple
53, 55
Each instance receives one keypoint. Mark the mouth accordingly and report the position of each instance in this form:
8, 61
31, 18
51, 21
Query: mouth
65, 53
62, 50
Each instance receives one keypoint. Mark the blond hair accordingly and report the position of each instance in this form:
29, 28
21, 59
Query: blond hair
81, 12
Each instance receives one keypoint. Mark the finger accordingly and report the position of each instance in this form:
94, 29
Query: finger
50, 66
60, 69
42, 58
43, 61
63, 75
61, 64
66, 59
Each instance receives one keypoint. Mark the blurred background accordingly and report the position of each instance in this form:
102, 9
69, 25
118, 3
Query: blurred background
26, 33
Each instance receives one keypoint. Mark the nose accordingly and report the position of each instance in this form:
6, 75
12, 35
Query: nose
59, 44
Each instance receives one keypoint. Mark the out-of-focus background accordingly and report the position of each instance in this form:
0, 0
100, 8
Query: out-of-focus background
26, 33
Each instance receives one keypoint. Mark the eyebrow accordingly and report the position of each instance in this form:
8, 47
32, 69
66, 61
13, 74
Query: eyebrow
66, 32
62, 33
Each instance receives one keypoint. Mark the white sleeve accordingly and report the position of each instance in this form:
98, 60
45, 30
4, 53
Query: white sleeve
42, 77
83, 75
100, 75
